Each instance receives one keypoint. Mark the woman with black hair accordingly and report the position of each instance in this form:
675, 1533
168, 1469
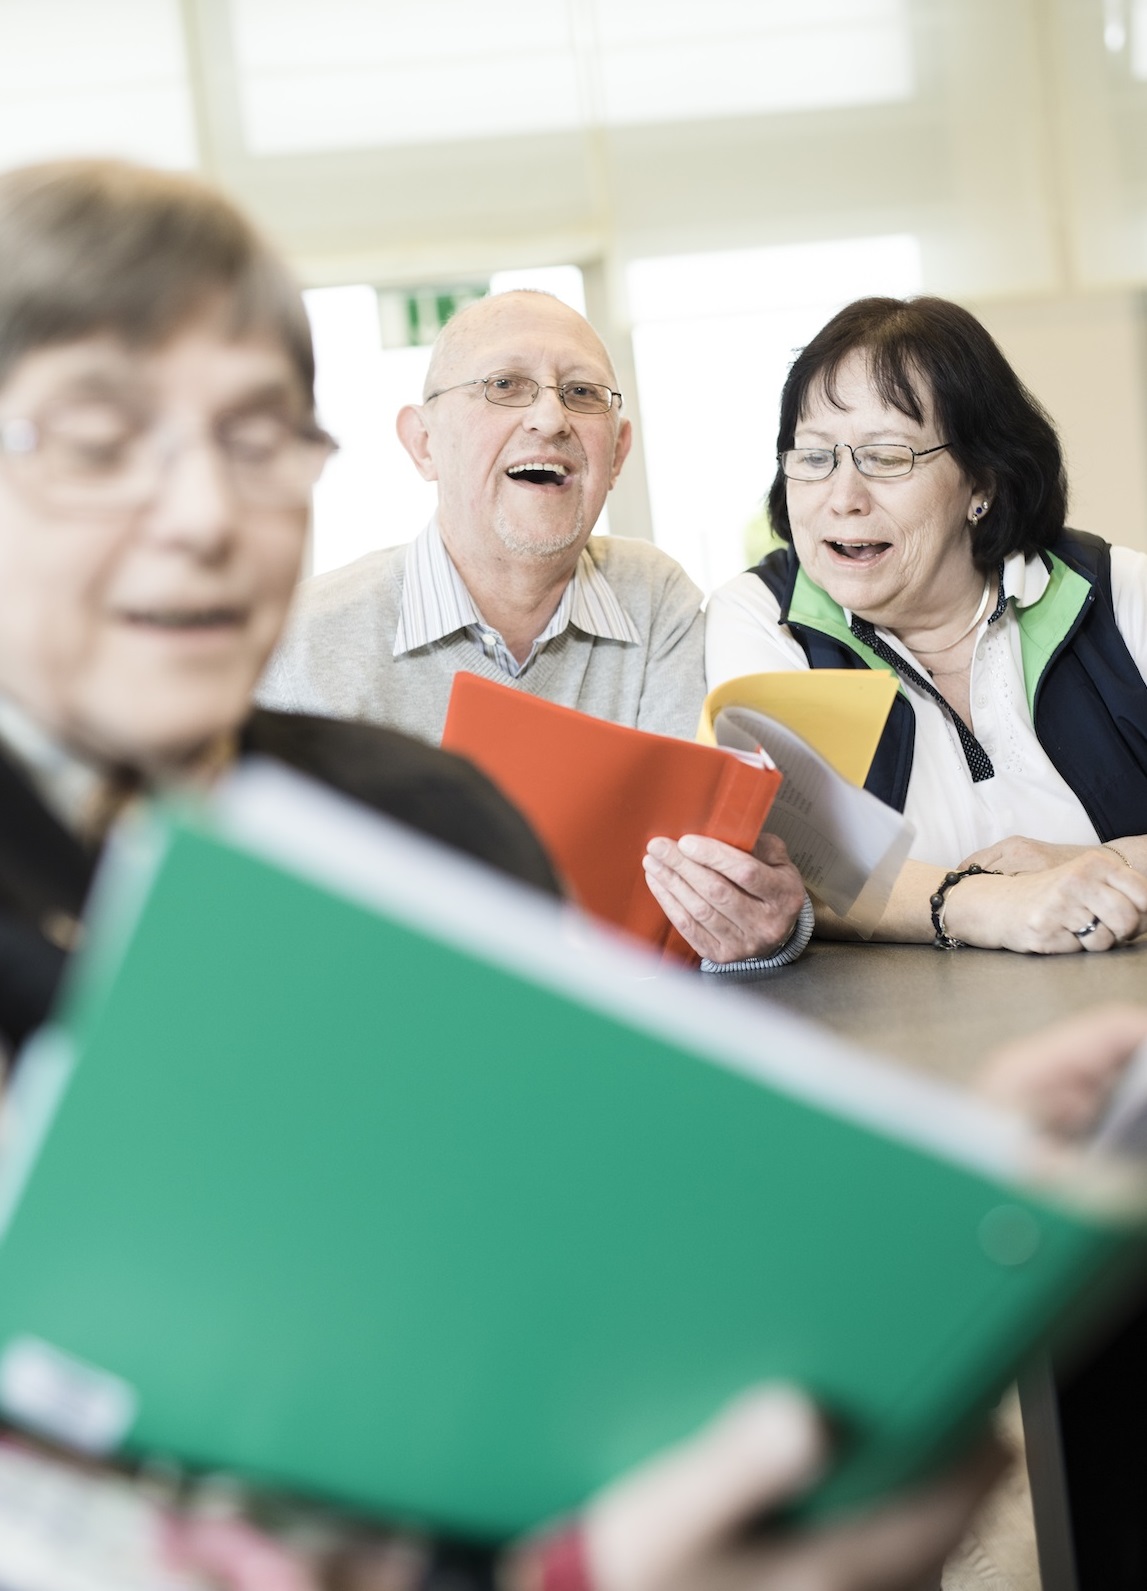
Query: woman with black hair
920, 489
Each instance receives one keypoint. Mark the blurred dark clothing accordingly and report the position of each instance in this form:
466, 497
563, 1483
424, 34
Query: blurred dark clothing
46, 870
1103, 1429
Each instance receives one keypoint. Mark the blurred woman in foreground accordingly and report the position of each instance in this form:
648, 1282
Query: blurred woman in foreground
157, 449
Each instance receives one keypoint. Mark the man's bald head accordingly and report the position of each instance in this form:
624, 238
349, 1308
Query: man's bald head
524, 480
472, 328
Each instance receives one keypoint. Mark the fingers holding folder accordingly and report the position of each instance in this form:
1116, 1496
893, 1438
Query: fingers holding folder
689, 1520
729, 905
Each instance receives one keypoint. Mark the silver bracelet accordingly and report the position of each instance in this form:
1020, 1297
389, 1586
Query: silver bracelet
753, 966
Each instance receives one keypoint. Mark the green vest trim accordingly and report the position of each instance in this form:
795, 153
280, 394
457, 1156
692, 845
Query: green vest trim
812, 606
1046, 624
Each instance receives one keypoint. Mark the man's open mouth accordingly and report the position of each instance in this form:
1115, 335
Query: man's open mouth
859, 551
539, 474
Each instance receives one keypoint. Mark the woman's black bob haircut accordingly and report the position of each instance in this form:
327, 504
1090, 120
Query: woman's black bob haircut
996, 431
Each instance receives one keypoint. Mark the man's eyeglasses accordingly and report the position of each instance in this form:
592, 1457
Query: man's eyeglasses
94, 457
880, 461
518, 392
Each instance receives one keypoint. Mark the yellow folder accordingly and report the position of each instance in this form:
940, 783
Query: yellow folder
840, 712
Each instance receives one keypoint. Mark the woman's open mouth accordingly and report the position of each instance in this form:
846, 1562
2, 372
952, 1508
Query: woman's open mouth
859, 552
185, 618
195, 627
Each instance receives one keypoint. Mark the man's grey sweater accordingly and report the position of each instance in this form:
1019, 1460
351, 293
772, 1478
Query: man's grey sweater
337, 656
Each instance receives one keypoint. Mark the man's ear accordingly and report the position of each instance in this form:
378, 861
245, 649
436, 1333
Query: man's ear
621, 450
415, 438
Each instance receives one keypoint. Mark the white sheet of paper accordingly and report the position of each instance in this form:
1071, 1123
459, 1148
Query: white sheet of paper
848, 846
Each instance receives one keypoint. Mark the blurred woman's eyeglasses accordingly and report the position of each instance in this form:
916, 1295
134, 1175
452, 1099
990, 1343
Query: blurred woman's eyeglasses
95, 456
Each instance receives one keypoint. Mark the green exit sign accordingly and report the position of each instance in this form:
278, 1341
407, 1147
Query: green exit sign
412, 317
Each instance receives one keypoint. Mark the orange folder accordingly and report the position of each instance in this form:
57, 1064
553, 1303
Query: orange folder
598, 792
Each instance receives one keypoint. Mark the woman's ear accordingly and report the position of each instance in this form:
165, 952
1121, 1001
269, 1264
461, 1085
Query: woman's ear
983, 496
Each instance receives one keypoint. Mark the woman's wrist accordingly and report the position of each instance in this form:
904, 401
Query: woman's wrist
1131, 850
944, 937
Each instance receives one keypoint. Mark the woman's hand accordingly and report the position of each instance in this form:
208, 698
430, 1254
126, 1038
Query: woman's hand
1018, 854
728, 904
690, 1519
1063, 1075
1090, 902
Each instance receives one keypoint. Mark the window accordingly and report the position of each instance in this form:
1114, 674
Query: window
107, 79
362, 73
714, 335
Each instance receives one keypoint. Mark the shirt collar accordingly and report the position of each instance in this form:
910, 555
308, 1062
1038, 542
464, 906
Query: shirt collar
85, 797
1025, 579
68, 785
436, 603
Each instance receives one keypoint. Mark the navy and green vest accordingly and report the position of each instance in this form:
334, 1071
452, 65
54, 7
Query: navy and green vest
1087, 698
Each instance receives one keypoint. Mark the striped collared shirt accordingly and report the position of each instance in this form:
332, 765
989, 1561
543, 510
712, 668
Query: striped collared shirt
436, 603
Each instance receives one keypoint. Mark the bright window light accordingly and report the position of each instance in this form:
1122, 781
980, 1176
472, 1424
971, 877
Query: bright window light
356, 73
674, 60
84, 79
714, 335
361, 73
295, 35
370, 494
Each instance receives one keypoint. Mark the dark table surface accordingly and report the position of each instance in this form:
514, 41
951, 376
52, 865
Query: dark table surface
942, 1010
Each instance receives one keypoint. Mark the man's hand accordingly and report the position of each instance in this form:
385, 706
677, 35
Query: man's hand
1062, 1076
684, 1522
728, 904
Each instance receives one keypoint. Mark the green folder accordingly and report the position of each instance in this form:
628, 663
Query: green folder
355, 1169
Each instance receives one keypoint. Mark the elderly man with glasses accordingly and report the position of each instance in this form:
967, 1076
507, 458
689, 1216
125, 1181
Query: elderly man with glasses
523, 432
